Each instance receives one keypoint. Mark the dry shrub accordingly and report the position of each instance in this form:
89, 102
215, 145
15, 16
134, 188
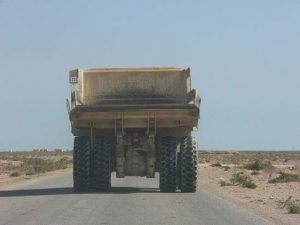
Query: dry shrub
259, 165
216, 165
294, 208
223, 183
226, 168
38, 165
15, 174
285, 178
243, 179
254, 172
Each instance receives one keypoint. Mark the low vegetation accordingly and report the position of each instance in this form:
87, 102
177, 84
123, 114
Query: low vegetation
285, 178
15, 174
216, 165
15, 164
242, 179
223, 183
225, 157
254, 172
37, 165
259, 165
226, 168
294, 208
239, 179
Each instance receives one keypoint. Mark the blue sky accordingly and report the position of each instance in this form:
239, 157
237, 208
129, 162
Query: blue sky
244, 57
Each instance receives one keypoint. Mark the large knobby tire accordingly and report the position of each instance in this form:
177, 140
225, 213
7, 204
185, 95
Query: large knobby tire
188, 165
101, 164
81, 164
179, 170
168, 164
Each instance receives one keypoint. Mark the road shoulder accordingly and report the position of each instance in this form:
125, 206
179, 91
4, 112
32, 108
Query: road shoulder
13, 182
258, 201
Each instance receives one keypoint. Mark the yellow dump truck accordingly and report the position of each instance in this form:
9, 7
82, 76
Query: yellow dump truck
135, 122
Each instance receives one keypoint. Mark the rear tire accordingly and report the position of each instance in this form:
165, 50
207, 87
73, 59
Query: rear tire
179, 170
168, 164
188, 165
101, 164
81, 164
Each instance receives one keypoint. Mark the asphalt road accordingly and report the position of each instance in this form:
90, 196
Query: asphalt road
51, 200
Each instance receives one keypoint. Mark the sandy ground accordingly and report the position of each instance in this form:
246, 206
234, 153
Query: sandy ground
267, 200
11, 161
7, 181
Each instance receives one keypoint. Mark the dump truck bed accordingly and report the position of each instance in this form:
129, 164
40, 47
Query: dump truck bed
101, 96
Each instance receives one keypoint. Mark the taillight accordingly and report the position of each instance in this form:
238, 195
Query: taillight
135, 137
